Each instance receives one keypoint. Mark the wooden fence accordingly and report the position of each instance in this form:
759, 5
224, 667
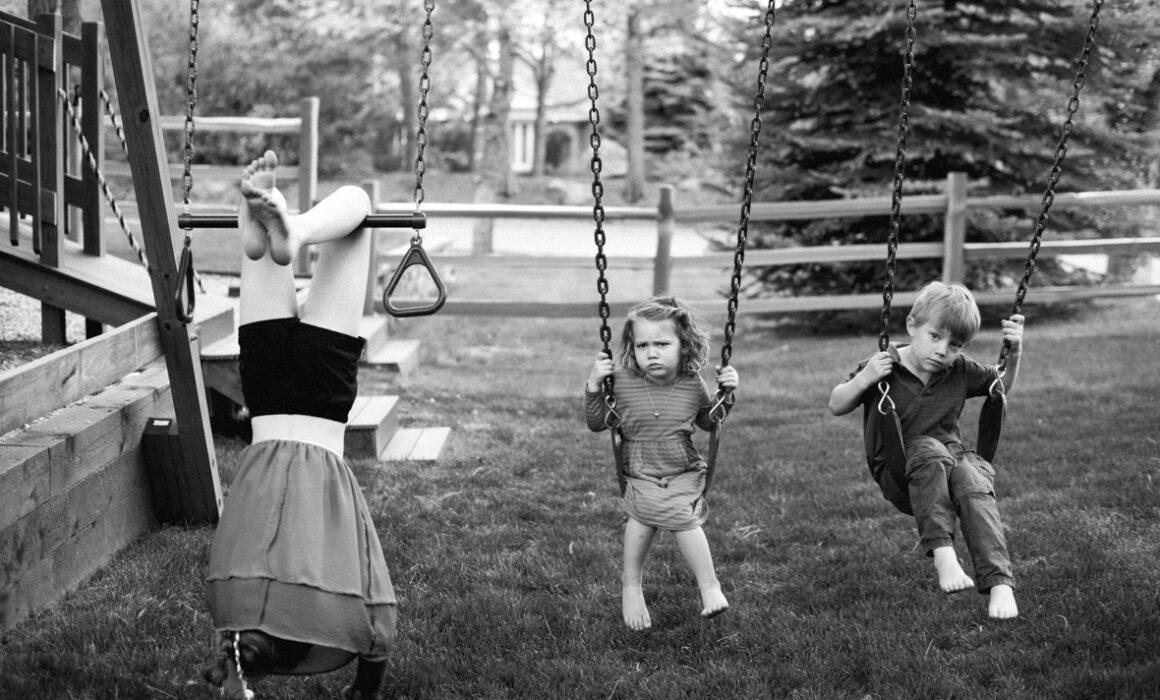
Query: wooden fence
955, 252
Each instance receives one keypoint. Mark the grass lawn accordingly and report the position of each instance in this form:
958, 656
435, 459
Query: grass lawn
506, 554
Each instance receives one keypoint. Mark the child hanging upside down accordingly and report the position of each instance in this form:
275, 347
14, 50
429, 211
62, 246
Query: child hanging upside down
660, 397
297, 583
931, 379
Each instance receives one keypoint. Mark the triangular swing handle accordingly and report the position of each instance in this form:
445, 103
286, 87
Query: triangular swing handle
415, 255
184, 300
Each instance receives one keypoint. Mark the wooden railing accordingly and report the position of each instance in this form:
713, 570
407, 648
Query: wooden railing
953, 250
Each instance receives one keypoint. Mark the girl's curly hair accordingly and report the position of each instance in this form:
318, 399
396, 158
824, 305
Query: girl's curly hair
686, 323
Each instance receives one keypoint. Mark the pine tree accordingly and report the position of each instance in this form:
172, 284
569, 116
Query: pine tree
991, 83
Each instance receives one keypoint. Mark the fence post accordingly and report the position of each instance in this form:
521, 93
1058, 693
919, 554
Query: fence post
955, 228
372, 189
307, 165
92, 81
666, 222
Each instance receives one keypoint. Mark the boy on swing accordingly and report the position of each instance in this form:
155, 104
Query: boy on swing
931, 379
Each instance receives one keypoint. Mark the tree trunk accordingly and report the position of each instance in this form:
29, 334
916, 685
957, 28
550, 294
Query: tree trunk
634, 106
494, 180
544, 74
478, 107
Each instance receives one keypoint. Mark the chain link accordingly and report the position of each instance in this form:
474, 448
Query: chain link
899, 175
612, 418
424, 110
1056, 171
747, 199
190, 103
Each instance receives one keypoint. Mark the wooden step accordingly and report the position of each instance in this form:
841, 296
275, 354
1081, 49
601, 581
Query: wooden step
415, 445
399, 356
371, 425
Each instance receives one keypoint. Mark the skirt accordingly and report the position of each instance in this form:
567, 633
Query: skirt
296, 556
665, 484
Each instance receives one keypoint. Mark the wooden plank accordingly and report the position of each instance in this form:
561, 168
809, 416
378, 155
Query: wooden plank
49, 552
38, 387
137, 96
415, 444
1018, 249
401, 444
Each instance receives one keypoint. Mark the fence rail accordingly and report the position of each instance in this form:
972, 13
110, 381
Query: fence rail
953, 250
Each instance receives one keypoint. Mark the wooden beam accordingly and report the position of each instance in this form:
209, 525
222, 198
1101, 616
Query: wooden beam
39, 387
138, 102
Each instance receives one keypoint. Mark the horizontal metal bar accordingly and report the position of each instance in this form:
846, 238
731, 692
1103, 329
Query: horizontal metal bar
416, 220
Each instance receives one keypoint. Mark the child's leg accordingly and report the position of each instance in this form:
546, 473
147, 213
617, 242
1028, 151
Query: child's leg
340, 277
267, 288
973, 488
638, 538
928, 473
695, 547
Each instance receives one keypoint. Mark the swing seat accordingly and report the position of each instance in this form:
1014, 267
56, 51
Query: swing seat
711, 455
886, 453
618, 456
991, 417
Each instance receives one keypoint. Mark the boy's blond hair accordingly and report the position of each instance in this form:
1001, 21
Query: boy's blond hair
951, 307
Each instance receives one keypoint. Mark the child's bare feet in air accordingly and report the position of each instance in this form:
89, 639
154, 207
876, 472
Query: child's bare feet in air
951, 577
634, 609
713, 602
1002, 603
269, 207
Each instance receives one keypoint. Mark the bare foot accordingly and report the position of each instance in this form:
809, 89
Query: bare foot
1002, 603
713, 602
268, 206
951, 577
634, 609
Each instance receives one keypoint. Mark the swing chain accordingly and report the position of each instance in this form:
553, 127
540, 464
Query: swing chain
750, 173
899, 173
424, 89
612, 418
718, 410
1056, 172
190, 103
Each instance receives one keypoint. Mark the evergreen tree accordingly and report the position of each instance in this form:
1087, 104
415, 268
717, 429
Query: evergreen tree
991, 81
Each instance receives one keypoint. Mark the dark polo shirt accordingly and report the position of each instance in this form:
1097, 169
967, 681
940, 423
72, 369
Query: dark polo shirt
932, 409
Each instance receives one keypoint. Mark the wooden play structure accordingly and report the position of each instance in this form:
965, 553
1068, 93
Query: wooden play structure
77, 479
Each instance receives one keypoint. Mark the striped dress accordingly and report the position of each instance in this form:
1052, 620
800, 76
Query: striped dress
665, 473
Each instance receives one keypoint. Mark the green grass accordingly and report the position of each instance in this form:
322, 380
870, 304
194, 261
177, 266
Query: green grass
505, 555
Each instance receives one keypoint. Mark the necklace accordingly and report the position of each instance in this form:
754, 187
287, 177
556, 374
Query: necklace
657, 411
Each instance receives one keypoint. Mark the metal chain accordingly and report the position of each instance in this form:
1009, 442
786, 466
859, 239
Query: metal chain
91, 159
612, 418
747, 199
899, 173
190, 103
424, 88
1056, 171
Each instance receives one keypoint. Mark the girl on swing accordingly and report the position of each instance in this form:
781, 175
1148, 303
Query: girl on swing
660, 397
297, 583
